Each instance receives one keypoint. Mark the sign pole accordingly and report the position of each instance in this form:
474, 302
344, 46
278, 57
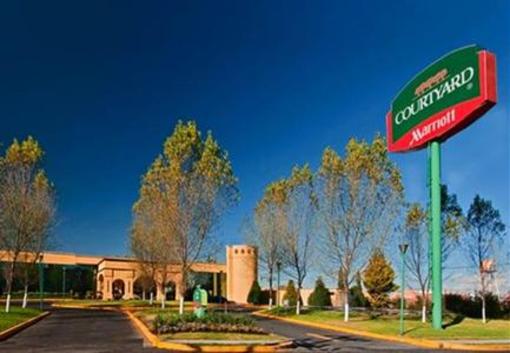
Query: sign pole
443, 99
435, 213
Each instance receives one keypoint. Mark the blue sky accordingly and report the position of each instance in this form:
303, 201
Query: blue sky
101, 84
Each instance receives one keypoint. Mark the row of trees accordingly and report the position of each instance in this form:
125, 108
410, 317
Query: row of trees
339, 219
478, 234
378, 280
182, 197
27, 211
333, 218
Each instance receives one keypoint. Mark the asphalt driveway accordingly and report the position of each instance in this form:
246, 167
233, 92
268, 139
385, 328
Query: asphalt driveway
80, 331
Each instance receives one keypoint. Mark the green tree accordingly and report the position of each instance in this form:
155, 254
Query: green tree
266, 232
320, 295
27, 208
453, 223
299, 225
416, 235
378, 279
183, 195
360, 195
485, 233
255, 294
291, 294
357, 297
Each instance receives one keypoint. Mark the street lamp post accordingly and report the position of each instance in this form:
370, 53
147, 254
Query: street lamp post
41, 281
63, 281
278, 267
403, 249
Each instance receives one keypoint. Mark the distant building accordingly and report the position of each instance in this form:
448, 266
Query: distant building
121, 277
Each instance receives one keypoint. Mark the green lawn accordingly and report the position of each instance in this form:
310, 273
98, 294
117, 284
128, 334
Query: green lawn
456, 328
15, 316
220, 336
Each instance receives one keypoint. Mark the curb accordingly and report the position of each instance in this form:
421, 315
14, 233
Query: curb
85, 307
182, 347
21, 326
406, 340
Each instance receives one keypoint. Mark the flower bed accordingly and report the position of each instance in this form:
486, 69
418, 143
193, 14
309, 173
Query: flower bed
174, 323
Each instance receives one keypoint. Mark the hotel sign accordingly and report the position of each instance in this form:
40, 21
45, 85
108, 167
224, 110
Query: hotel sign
442, 99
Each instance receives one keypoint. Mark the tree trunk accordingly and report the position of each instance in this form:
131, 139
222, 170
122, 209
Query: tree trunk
424, 301
484, 318
298, 302
346, 304
163, 296
270, 289
10, 276
482, 280
182, 289
151, 298
25, 297
181, 304
8, 303
143, 295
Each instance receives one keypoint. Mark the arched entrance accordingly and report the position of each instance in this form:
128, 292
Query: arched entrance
170, 291
118, 289
143, 286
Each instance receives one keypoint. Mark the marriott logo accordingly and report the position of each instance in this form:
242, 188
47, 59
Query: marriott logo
430, 128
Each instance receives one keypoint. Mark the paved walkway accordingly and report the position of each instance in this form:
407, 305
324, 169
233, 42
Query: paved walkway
80, 331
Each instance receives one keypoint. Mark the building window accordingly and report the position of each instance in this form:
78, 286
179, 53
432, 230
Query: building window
235, 251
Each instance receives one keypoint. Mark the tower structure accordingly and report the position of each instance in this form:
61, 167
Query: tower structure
241, 271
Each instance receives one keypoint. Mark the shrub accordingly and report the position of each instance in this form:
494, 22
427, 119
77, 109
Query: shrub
356, 296
290, 294
255, 294
378, 279
216, 322
472, 307
320, 295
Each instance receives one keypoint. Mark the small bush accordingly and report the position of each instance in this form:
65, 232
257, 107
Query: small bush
255, 294
320, 296
378, 278
291, 294
357, 298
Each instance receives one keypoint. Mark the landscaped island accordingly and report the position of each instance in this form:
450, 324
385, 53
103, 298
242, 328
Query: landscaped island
214, 326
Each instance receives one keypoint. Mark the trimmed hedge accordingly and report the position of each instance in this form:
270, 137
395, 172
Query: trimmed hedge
216, 322
472, 306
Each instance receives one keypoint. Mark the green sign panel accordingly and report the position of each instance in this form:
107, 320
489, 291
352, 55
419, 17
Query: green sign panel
442, 99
